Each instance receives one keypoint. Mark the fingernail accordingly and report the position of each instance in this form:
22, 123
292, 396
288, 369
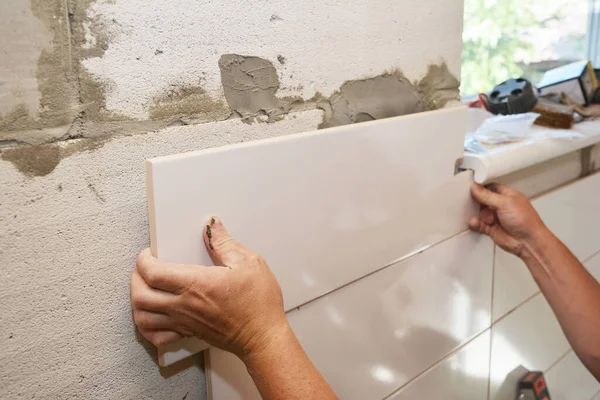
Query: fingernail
209, 235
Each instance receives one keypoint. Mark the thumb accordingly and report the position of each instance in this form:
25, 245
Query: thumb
222, 248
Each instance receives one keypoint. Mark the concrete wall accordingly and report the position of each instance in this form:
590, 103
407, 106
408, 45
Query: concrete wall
89, 89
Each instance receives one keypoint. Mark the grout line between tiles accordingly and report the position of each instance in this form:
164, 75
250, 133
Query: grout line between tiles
516, 307
562, 186
444, 358
597, 253
489, 381
555, 363
389, 265
590, 257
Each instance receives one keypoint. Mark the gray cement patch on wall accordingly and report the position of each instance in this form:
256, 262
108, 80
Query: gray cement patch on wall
48, 101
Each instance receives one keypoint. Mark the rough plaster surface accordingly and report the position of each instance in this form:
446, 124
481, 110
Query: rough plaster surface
316, 46
68, 241
96, 68
23, 39
73, 212
37, 95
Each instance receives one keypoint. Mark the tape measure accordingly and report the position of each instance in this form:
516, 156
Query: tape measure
533, 387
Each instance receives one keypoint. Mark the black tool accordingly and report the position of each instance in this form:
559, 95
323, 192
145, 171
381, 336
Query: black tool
514, 96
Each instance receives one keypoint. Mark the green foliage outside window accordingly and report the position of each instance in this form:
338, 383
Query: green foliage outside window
498, 44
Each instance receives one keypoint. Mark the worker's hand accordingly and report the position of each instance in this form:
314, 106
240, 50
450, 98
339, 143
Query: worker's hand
506, 216
236, 306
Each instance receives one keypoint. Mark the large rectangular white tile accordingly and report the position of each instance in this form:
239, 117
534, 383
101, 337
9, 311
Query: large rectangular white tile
596, 396
570, 212
322, 208
570, 380
373, 336
461, 376
529, 338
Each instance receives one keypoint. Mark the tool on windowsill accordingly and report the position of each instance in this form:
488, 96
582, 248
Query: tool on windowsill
554, 115
533, 387
518, 96
514, 96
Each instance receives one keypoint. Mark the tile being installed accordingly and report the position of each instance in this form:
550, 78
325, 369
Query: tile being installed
461, 376
529, 338
571, 213
322, 208
375, 335
570, 380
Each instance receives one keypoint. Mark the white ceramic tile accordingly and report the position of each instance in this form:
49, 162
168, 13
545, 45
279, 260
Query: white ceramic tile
596, 396
529, 338
513, 283
461, 376
322, 208
571, 212
593, 266
232, 382
373, 336
570, 380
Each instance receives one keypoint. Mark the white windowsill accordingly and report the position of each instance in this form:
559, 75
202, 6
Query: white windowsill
502, 160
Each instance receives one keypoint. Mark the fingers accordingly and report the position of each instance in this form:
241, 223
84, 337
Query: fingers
496, 233
160, 338
501, 189
478, 225
223, 249
487, 216
152, 321
144, 297
173, 278
486, 197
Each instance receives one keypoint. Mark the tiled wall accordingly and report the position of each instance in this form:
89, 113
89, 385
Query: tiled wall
461, 320
525, 333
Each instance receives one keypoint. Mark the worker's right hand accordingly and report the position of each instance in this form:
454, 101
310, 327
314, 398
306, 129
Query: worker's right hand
506, 216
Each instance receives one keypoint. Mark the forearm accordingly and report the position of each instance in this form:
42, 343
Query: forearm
282, 370
571, 291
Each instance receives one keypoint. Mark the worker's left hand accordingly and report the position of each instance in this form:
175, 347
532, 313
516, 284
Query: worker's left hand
236, 306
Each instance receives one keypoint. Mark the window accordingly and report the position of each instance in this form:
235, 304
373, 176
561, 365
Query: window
512, 38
